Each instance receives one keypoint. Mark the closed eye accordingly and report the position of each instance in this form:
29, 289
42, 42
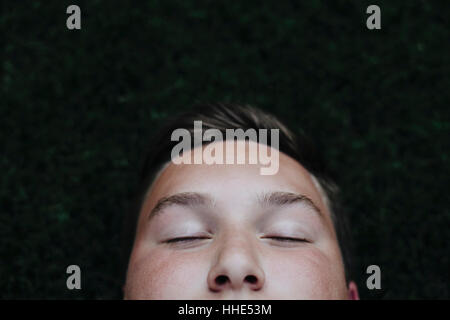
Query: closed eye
185, 239
287, 239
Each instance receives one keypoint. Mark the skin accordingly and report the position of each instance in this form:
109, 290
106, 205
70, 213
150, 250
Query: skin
244, 249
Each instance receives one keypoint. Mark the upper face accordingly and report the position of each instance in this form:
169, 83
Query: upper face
228, 232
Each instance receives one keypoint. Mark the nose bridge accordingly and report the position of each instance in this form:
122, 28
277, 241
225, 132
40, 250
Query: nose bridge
236, 254
237, 243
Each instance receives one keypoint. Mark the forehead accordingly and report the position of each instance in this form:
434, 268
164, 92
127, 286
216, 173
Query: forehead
235, 184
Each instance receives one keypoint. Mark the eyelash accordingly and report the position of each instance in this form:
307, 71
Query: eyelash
287, 239
185, 239
189, 239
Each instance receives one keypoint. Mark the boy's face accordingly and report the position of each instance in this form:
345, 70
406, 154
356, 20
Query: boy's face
246, 236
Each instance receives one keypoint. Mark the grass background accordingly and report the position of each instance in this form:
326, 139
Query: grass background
77, 108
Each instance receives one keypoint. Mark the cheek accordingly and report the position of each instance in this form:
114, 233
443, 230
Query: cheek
165, 275
305, 274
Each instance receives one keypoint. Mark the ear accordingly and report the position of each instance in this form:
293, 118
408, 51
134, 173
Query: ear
353, 291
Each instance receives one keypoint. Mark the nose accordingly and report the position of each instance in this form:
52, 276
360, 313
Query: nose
236, 268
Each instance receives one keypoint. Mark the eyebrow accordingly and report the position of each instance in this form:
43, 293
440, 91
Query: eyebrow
184, 199
279, 199
196, 199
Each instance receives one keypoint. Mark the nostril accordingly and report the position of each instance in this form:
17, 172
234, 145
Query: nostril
221, 280
251, 279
